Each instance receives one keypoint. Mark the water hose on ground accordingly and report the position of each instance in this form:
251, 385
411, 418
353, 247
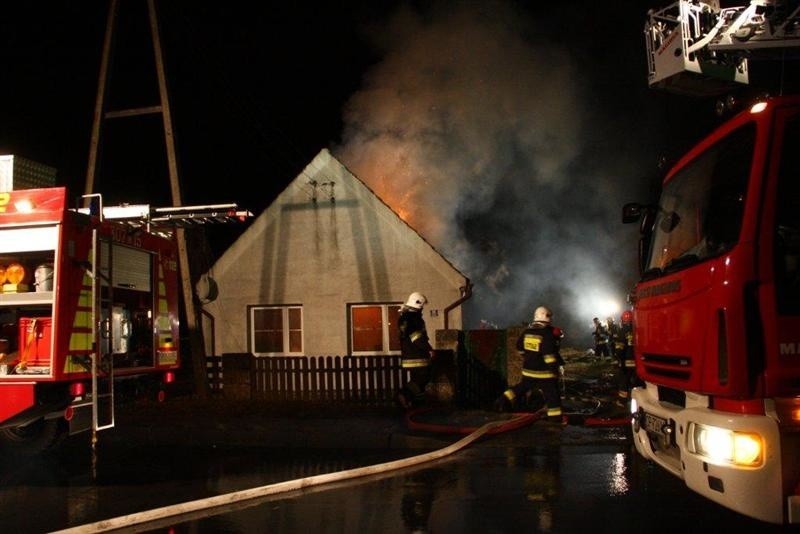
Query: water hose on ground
518, 420
158, 515
607, 421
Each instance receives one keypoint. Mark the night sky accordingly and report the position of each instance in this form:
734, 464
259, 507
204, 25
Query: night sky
509, 134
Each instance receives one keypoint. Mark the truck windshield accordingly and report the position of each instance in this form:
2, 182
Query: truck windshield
701, 207
787, 231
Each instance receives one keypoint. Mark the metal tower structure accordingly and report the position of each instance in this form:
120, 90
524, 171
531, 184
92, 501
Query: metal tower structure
162, 108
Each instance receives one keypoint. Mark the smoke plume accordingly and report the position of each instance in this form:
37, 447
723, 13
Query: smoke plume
475, 128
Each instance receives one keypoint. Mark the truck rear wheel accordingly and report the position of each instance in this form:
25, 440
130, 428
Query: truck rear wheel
33, 438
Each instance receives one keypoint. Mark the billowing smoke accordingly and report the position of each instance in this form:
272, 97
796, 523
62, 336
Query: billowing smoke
475, 129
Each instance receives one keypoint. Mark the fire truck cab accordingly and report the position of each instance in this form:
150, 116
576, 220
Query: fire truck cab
717, 308
717, 317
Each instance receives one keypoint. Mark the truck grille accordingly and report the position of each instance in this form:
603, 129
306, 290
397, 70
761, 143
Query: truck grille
668, 366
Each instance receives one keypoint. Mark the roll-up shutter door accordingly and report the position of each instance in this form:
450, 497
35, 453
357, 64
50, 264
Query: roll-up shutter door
131, 267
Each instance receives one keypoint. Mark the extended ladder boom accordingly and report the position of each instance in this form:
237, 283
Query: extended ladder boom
164, 220
698, 48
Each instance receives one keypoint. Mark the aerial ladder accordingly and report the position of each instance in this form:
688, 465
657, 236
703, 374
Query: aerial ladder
701, 49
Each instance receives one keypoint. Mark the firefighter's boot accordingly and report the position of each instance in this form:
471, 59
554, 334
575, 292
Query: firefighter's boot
403, 399
502, 404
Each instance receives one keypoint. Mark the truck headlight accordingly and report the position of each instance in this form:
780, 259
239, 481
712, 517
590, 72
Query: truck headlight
725, 446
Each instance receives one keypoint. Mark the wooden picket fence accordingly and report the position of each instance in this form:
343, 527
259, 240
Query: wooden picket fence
214, 373
366, 380
370, 380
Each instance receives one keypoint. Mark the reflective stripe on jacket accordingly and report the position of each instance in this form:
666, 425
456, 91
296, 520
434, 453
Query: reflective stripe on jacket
414, 343
539, 347
415, 363
538, 374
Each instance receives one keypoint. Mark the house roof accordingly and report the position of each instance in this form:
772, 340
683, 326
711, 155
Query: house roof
311, 173
326, 151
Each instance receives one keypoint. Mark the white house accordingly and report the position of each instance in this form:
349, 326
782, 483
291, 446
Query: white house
323, 271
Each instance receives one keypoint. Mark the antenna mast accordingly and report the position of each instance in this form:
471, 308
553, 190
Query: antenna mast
100, 114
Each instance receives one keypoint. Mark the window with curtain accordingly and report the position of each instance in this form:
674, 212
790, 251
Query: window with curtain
276, 330
373, 329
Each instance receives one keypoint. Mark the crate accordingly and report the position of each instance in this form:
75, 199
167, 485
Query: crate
35, 341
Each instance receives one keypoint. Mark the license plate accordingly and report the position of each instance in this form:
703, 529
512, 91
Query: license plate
654, 424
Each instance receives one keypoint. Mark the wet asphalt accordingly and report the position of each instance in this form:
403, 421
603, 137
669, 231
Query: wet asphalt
537, 478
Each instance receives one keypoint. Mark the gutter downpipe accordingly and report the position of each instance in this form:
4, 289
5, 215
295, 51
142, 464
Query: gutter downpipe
213, 323
466, 293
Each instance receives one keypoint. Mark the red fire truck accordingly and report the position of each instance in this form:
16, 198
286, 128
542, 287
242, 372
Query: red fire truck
717, 309
89, 301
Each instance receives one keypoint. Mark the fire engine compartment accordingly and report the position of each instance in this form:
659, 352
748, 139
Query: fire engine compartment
74, 285
26, 310
27, 313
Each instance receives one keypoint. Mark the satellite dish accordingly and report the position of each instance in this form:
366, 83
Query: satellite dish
206, 289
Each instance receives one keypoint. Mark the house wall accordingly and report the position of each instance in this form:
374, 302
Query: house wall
344, 248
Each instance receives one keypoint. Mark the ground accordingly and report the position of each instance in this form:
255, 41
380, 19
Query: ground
590, 396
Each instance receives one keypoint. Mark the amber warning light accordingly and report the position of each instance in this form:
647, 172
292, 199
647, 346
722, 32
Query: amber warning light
15, 273
14, 276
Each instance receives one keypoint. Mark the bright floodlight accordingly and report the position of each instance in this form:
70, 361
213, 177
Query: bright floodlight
610, 308
596, 302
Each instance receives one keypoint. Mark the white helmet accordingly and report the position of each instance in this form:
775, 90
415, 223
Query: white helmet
416, 301
542, 315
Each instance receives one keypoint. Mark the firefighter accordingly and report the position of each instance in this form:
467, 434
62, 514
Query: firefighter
416, 351
614, 337
538, 345
626, 364
600, 339
559, 334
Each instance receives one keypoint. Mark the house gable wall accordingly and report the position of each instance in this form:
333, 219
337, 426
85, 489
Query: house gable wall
345, 247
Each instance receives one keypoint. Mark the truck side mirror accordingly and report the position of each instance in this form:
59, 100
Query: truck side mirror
631, 212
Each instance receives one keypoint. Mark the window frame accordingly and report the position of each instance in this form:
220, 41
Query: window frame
681, 230
385, 324
285, 309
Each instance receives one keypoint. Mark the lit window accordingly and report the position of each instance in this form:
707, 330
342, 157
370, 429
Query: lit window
373, 328
276, 330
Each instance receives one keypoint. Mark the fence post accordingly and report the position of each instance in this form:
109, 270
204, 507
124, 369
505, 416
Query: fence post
238, 375
214, 371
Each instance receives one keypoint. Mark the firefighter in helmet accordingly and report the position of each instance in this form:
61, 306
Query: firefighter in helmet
539, 347
600, 335
614, 338
626, 364
416, 350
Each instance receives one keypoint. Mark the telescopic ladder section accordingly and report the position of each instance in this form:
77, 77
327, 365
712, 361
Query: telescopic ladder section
700, 49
